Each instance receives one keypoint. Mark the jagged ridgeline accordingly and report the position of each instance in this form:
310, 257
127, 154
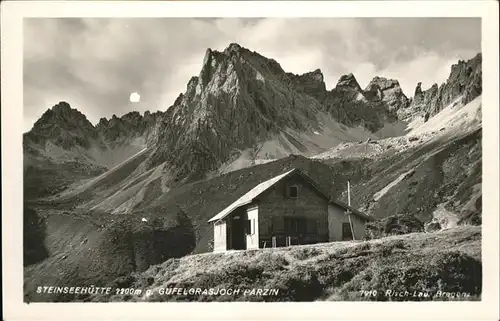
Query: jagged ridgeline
239, 100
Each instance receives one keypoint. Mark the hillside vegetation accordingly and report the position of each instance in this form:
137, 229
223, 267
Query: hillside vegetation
85, 250
447, 261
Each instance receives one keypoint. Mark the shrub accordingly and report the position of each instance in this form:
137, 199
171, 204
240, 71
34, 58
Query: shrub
450, 271
34, 249
306, 253
336, 270
299, 284
389, 247
393, 225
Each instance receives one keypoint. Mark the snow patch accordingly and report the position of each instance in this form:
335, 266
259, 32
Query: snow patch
259, 77
455, 115
384, 191
445, 218
230, 83
198, 89
225, 80
88, 184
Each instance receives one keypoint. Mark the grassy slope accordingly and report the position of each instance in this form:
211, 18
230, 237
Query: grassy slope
85, 250
447, 261
44, 178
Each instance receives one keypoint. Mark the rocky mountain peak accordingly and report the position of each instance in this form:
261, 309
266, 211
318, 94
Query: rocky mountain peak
384, 83
62, 107
348, 82
63, 126
418, 89
311, 83
233, 48
62, 115
103, 121
118, 130
387, 90
316, 75
132, 116
239, 99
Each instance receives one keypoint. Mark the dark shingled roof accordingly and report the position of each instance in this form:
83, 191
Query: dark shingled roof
249, 196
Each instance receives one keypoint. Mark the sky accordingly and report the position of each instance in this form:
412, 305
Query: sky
95, 64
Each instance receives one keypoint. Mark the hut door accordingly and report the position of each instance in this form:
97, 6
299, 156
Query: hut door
238, 233
346, 232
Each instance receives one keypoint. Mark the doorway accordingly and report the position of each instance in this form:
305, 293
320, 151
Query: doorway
237, 231
346, 232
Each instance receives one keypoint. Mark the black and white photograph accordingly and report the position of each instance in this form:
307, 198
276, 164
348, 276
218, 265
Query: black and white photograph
253, 159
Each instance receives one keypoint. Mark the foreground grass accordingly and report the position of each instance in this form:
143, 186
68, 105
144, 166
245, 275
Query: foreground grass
448, 261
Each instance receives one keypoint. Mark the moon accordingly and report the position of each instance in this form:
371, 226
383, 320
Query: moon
135, 97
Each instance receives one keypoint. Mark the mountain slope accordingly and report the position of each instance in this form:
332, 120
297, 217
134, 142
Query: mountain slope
63, 147
433, 172
241, 110
240, 100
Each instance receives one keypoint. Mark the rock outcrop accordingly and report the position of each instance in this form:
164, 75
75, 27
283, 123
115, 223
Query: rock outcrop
311, 83
131, 125
464, 84
238, 100
389, 91
353, 106
241, 98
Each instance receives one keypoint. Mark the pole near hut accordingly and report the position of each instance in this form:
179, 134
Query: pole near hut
349, 210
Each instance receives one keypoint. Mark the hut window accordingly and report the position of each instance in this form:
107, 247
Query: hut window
293, 191
295, 225
312, 227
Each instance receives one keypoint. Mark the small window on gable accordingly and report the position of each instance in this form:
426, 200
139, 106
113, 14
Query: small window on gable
293, 191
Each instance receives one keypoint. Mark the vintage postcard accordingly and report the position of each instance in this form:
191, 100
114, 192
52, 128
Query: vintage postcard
252, 154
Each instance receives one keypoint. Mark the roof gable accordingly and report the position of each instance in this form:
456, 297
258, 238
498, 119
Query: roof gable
248, 197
